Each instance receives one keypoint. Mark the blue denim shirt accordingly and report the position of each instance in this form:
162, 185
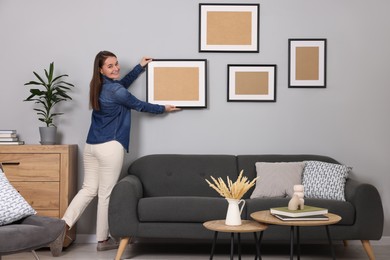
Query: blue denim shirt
113, 120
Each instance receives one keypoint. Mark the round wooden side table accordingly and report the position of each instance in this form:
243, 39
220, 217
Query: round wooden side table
247, 226
265, 216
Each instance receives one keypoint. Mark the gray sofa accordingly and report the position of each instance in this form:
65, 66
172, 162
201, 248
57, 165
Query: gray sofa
166, 196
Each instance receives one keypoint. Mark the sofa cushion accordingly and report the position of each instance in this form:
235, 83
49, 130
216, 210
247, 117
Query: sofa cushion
325, 180
182, 175
342, 208
277, 179
182, 209
12, 205
247, 162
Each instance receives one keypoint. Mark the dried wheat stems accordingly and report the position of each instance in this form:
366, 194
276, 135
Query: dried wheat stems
232, 190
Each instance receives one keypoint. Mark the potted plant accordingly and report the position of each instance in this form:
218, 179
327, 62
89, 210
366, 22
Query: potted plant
52, 91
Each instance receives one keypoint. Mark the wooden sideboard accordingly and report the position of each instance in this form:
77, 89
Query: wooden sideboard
45, 175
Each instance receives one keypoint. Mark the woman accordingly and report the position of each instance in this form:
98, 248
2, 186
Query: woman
107, 140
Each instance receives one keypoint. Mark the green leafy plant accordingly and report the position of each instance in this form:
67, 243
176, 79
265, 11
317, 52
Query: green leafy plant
53, 90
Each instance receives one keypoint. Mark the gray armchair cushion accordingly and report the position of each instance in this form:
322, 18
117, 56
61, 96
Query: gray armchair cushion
29, 234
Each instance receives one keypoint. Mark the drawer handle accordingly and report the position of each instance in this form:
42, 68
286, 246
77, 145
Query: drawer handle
10, 163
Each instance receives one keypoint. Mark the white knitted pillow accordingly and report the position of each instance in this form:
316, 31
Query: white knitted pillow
323, 180
12, 205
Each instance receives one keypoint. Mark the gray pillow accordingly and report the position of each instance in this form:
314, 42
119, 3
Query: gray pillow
12, 205
323, 180
277, 179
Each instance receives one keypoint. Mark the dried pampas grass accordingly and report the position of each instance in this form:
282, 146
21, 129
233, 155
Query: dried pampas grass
232, 190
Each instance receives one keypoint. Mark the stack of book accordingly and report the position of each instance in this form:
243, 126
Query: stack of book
9, 137
308, 213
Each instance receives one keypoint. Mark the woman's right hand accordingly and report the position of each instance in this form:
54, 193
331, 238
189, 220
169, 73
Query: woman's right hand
171, 108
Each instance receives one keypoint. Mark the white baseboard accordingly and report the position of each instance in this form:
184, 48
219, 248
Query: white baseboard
85, 239
91, 239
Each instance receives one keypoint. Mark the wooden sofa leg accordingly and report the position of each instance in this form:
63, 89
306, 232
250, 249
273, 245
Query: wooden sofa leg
367, 247
345, 242
122, 247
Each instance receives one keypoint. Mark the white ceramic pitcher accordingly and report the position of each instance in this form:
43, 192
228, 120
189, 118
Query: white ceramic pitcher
233, 216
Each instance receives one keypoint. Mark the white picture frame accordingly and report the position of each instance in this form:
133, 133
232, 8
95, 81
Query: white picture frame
307, 63
253, 82
229, 27
179, 82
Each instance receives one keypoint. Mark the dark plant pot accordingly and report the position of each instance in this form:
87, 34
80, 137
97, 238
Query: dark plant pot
48, 135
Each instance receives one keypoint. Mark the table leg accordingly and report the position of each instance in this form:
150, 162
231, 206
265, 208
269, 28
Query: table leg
298, 244
239, 246
258, 243
330, 242
231, 246
292, 243
213, 246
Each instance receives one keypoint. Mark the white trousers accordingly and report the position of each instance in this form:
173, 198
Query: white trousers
102, 168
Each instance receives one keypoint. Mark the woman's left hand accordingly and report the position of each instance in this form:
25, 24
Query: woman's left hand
144, 61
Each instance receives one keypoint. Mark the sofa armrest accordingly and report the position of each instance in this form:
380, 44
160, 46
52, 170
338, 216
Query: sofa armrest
122, 210
369, 210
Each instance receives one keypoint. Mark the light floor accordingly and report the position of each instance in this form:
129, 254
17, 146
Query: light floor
180, 251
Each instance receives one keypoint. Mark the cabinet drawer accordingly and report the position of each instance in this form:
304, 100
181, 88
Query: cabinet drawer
31, 167
40, 195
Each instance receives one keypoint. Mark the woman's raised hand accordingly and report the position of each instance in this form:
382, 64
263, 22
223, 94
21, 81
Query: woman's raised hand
145, 60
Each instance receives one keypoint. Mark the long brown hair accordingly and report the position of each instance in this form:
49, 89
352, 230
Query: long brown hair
95, 86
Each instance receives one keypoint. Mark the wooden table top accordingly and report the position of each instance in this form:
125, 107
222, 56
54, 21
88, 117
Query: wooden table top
265, 216
246, 226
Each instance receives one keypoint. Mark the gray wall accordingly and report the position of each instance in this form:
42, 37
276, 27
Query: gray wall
348, 120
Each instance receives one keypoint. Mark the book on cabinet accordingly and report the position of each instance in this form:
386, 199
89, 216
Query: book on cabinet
8, 139
7, 135
2, 131
12, 143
